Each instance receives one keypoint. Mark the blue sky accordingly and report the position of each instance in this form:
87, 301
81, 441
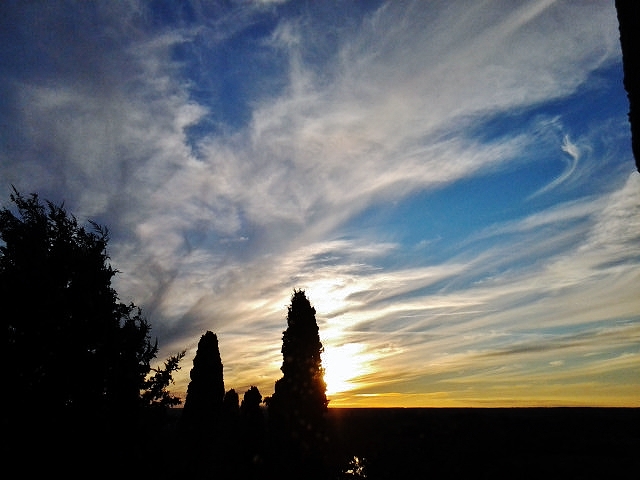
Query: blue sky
451, 182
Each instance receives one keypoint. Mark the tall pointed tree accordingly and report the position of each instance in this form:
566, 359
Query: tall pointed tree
205, 393
299, 401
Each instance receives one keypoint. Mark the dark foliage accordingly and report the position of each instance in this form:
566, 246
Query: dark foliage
299, 403
231, 404
302, 388
73, 350
253, 426
155, 392
251, 401
205, 393
78, 383
629, 23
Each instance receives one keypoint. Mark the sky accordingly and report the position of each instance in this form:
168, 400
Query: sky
450, 182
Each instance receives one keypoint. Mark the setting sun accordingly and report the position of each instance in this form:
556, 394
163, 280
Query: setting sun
344, 365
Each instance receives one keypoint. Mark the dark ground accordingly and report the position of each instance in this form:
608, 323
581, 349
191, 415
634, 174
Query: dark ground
395, 443
490, 443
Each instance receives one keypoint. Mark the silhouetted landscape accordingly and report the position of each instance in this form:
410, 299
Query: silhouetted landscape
84, 399
490, 443
391, 443
388, 443
478, 148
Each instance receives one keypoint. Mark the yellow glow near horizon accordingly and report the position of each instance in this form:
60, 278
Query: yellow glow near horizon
344, 365
502, 397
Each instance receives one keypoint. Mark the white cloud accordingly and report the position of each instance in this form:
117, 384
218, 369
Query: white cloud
311, 159
573, 151
384, 117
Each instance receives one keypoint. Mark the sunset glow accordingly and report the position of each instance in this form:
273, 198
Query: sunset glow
344, 367
450, 182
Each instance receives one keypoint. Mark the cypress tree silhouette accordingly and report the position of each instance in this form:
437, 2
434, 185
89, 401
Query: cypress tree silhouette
299, 402
205, 393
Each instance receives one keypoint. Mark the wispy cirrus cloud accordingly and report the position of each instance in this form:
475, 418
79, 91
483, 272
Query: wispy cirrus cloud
225, 188
527, 318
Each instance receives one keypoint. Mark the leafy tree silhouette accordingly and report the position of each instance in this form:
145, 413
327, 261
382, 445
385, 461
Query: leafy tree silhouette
205, 393
298, 404
155, 392
78, 361
74, 351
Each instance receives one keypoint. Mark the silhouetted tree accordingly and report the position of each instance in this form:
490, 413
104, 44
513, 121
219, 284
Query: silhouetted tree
299, 402
155, 392
252, 418
251, 401
72, 349
205, 393
231, 403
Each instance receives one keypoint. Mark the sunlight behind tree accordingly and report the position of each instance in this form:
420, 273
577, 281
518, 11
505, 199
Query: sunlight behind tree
344, 365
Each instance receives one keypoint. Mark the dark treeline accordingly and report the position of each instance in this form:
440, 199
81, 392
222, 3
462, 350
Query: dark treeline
284, 436
81, 393
81, 397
